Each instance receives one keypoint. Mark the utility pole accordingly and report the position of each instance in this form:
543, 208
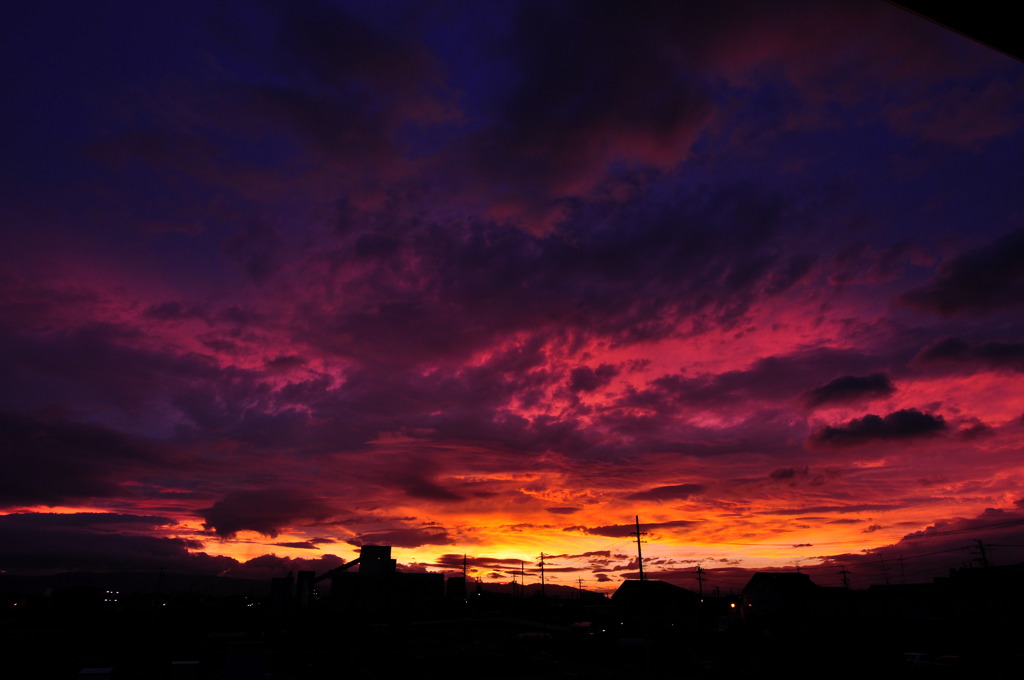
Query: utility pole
983, 560
463, 566
542, 594
885, 572
700, 581
579, 581
522, 577
846, 580
639, 553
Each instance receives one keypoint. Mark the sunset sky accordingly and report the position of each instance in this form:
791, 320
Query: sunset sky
281, 278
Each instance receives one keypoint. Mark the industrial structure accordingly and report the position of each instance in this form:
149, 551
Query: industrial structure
376, 591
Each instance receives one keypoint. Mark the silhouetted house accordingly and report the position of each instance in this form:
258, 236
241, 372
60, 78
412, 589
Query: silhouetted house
900, 602
983, 592
455, 589
778, 596
655, 604
969, 597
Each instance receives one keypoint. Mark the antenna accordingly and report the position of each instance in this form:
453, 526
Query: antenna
639, 554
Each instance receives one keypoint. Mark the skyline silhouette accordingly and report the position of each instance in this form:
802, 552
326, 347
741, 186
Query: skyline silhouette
379, 621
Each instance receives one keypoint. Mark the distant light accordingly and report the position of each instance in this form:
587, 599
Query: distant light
732, 605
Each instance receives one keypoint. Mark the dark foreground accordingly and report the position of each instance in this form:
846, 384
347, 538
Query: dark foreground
244, 641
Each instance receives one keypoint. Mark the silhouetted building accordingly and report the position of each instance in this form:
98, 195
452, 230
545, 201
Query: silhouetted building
455, 589
376, 559
655, 603
778, 595
304, 589
282, 592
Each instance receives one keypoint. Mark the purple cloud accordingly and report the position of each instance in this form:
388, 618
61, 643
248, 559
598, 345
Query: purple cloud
587, 379
668, 493
47, 542
564, 510
980, 282
622, 530
405, 538
51, 460
899, 425
850, 388
263, 510
780, 474
956, 351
